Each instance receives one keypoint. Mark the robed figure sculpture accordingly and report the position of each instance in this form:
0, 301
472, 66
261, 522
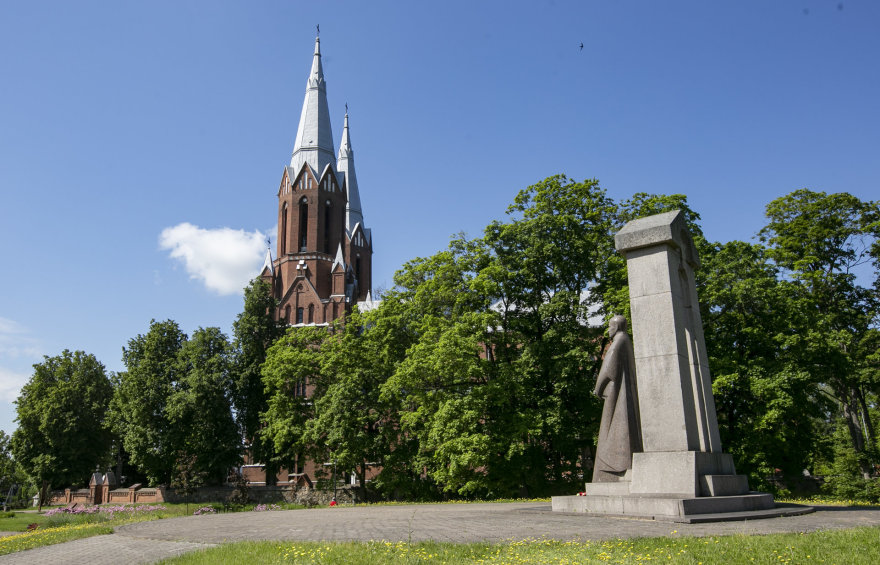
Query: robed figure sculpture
620, 429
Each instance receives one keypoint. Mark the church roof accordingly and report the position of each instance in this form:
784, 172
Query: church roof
353, 214
267, 264
339, 259
314, 136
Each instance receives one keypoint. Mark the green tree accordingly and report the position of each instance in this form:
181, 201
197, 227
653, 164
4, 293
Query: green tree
767, 407
348, 413
61, 433
255, 330
552, 253
293, 366
10, 471
140, 403
187, 477
819, 241
199, 410
494, 384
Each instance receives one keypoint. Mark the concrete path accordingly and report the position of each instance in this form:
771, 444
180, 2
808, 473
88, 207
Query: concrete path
148, 542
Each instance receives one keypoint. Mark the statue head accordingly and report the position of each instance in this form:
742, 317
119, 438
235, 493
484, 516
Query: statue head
616, 324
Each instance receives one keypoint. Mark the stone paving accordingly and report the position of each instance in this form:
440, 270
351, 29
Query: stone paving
148, 542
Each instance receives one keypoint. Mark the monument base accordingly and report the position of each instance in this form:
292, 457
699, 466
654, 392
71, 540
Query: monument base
751, 506
688, 474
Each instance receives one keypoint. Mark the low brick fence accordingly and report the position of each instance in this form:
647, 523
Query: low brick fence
259, 494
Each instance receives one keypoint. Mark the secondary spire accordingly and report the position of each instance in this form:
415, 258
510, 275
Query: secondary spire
353, 214
314, 136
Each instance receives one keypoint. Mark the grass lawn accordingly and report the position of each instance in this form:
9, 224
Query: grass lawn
52, 529
842, 547
59, 528
50, 536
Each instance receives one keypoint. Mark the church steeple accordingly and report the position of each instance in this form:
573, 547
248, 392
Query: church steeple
319, 215
353, 214
314, 137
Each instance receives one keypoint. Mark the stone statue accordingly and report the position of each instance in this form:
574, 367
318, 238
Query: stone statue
620, 430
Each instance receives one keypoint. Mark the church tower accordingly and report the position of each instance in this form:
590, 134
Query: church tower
323, 263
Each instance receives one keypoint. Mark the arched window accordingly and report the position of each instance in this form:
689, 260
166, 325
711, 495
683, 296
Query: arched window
299, 315
311, 313
303, 224
284, 229
327, 227
357, 269
287, 313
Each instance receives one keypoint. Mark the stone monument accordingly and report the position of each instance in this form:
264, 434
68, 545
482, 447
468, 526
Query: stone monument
680, 472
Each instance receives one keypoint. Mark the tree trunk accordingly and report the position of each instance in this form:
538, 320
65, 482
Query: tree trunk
42, 498
855, 430
362, 476
857, 436
866, 417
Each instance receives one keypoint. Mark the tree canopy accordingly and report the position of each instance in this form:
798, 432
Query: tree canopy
175, 401
62, 434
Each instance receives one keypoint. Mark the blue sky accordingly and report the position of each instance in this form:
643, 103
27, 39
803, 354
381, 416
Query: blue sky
121, 121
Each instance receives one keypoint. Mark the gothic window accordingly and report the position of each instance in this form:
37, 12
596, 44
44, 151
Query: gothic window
299, 315
357, 268
299, 389
311, 313
327, 227
287, 313
303, 224
284, 229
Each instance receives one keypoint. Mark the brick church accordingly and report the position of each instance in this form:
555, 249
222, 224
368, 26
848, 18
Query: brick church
323, 263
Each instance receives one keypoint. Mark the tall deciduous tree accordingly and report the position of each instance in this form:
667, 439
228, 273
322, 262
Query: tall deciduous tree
293, 364
175, 401
140, 404
61, 433
768, 408
200, 408
819, 241
348, 414
552, 251
255, 330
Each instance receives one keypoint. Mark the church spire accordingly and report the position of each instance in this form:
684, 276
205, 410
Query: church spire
267, 263
353, 214
314, 137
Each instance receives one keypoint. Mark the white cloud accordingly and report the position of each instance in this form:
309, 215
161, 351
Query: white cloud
224, 259
11, 383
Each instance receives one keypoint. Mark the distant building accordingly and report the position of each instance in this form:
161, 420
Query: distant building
323, 263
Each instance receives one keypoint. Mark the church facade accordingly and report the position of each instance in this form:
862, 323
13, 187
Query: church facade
323, 263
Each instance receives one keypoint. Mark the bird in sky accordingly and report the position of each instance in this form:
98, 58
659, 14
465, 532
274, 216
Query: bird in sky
582, 46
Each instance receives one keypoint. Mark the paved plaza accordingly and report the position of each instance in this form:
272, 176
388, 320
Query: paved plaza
148, 542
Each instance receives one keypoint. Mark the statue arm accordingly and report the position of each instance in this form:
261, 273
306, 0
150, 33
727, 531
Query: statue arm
606, 373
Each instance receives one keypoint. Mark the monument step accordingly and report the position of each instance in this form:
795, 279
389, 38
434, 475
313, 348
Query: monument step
658, 505
582, 505
723, 485
619, 488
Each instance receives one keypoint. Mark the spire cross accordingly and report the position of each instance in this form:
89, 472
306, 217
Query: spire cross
318, 33
346, 107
